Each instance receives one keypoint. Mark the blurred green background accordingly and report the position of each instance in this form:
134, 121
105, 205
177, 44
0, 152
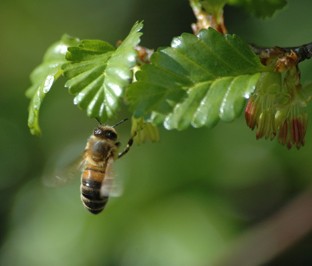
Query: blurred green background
185, 198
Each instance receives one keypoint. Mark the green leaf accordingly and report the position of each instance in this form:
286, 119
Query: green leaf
260, 8
44, 76
98, 73
143, 131
196, 82
307, 91
222, 99
212, 7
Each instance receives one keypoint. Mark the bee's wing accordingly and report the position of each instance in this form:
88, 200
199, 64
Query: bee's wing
110, 186
63, 167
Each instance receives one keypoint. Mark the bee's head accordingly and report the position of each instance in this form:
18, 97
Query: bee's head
105, 132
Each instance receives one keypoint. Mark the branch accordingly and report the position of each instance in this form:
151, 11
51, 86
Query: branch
303, 52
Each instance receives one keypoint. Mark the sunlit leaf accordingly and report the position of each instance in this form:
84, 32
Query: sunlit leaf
43, 77
98, 73
222, 99
197, 81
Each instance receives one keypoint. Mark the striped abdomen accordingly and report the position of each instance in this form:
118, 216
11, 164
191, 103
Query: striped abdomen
91, 185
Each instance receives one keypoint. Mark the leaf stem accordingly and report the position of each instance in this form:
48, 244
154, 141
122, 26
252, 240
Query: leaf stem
208, 15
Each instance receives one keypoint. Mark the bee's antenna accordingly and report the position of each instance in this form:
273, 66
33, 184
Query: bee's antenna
97, 119
120, 122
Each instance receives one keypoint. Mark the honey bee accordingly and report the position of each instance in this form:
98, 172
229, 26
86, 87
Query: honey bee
96, 178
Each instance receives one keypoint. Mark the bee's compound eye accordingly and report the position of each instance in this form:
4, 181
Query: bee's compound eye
105, 133
110, 134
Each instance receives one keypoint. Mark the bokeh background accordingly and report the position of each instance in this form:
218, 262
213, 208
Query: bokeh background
186, 199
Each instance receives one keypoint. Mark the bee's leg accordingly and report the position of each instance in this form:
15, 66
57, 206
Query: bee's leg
129, 144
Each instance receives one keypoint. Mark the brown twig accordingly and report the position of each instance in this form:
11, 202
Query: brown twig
303, 52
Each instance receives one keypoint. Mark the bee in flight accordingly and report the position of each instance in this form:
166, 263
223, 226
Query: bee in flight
96, 178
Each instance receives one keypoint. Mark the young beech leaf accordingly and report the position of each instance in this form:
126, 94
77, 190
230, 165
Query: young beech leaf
197, 81
144, 131
98, 73
43, 77
307, 91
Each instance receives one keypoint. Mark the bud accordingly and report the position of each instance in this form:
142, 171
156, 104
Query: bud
252, 112
266, 125
292, 120
292, 131
278, 110
292, 117
260, 109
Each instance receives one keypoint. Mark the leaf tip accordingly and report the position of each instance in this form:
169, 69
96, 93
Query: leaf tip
33, 125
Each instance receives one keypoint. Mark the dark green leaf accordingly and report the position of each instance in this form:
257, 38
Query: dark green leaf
260, 8
43, 77
98, 73
197, 81
212, 7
